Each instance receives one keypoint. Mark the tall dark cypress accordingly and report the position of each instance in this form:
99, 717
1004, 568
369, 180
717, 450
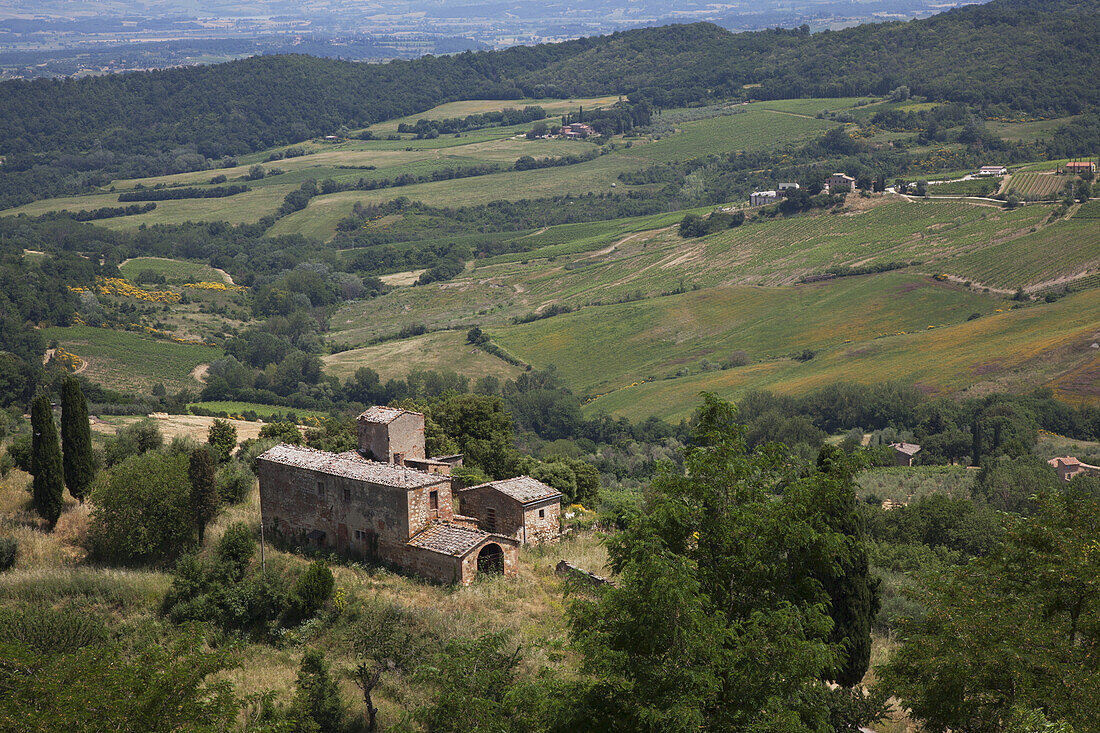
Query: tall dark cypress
49, 481
76, 439
204, 492
854, 592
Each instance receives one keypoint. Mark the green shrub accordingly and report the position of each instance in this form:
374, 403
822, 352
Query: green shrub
49, 630
20, 452
311, 590
233, 481
143, 509
9, 550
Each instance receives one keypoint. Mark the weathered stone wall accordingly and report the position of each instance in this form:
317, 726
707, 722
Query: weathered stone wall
542, 523
420, 506
443, 568
356, 516
484, 502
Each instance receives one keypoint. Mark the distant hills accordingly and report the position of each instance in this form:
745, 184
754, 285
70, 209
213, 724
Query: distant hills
1010, 57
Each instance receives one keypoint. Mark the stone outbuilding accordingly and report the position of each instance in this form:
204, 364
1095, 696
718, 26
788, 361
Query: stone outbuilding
904, 452
391, 435
381, 511
522, 508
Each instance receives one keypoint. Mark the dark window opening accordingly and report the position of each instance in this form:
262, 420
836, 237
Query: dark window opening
542, 513
347, 494
399, 459
491, 519
433, 500
320, 488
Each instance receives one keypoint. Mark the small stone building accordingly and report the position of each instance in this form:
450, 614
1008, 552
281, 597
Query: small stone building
382, 511
904, 452
522, 508
1068, 467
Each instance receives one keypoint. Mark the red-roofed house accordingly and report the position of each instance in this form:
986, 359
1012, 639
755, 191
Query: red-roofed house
1068, 467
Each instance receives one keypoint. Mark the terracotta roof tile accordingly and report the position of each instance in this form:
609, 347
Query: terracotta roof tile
448, 539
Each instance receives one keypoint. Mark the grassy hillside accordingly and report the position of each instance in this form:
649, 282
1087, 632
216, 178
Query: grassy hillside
1017, 349
600, 349
174, 271
442, 350
750, 130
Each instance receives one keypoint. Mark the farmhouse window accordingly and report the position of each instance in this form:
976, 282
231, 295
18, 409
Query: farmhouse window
491, 519
347, 495
542, 513
321, 489
433, 500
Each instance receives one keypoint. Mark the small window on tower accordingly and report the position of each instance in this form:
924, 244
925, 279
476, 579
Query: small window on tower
433, 500
542, 513
491, 519
347, 495
320, 488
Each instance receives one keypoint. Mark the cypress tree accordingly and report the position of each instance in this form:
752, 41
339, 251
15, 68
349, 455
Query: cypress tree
204, 493
49, 481
76, 439
854, 592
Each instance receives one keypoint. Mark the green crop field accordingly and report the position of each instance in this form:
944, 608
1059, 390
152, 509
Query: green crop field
1038, 185
601, 349
974, 187
320, 217
174, 271
751, 130
263, 411
439, 351
245, 207
812, 105
1013, 350
1061, 250
480, 106
1027, 131
128, 361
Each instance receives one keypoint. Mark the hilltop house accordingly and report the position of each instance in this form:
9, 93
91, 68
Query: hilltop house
786, 188
904, 452
387, 501
1079, 166
1068, 467
841, 180
992, 170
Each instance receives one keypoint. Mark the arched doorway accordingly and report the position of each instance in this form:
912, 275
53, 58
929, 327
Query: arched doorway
491, 559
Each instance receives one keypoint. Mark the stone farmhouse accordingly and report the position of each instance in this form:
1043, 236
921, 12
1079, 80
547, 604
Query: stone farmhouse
1068, 467
904, 452
522, 508
386, 501
840, 180
576, 131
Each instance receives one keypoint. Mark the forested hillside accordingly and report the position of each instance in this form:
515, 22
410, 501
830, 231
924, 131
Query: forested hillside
1000, 54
